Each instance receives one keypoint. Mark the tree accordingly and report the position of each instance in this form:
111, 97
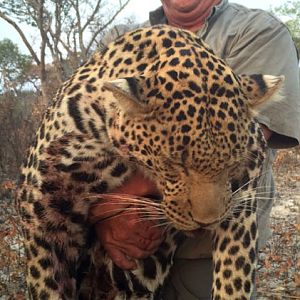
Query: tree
19, 121
68, 30
290, 10
14, 67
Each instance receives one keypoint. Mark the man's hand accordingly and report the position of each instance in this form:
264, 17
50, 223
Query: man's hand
266, 132
126, 236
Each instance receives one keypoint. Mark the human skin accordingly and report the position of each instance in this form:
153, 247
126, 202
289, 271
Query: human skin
125, 237
188, 14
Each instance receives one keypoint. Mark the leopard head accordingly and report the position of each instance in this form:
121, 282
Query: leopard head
189, 132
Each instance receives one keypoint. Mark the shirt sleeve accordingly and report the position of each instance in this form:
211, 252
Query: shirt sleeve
264, 45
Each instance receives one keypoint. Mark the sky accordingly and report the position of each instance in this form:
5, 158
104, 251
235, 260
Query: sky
138, 8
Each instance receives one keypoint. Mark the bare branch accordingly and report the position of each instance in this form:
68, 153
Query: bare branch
24, 39
43, 35
59, 40
93, 38
92, 16
79, 28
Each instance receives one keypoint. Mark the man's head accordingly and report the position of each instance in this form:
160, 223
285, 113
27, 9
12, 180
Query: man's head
188, 14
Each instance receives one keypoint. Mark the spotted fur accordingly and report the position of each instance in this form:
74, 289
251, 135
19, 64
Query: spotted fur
159, 100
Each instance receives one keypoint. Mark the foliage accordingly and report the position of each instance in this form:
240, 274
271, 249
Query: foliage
13, 67
290, 10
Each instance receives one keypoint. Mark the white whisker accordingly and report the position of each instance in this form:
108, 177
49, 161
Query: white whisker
150, 219
130, 202
132, 198
248, 182
163, 224
133, 211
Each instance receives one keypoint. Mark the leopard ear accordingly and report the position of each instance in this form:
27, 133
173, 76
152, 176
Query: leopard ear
129, 91
259, 89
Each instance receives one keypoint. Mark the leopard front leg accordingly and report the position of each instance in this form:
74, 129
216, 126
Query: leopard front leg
236, 238
235, 254
147, 280
53, 204
54, 240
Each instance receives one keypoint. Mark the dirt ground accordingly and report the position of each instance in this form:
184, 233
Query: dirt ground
278, 276
279, 262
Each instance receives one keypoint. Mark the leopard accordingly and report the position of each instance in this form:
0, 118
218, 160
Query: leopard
159, 101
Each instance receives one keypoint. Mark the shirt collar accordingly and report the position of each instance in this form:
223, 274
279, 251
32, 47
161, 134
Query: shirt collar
215, 12
158, 16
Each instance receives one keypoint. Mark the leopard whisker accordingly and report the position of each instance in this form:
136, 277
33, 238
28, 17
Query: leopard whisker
152, 216
262, 195
258, 189
116, 215
241, 199
167, 227
246, 210
131, 197
249, 156
163, 224
150, 219
135, 209
127, 205
129, 201
132, 210
155, 213
230, 217
247, 183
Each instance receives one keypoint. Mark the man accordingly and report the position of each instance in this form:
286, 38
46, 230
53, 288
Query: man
250, 41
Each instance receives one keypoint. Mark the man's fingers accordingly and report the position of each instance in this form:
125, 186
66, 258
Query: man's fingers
153, 246
120, 259
149, 245
106, 208
150, 230
125, 239
134, 251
